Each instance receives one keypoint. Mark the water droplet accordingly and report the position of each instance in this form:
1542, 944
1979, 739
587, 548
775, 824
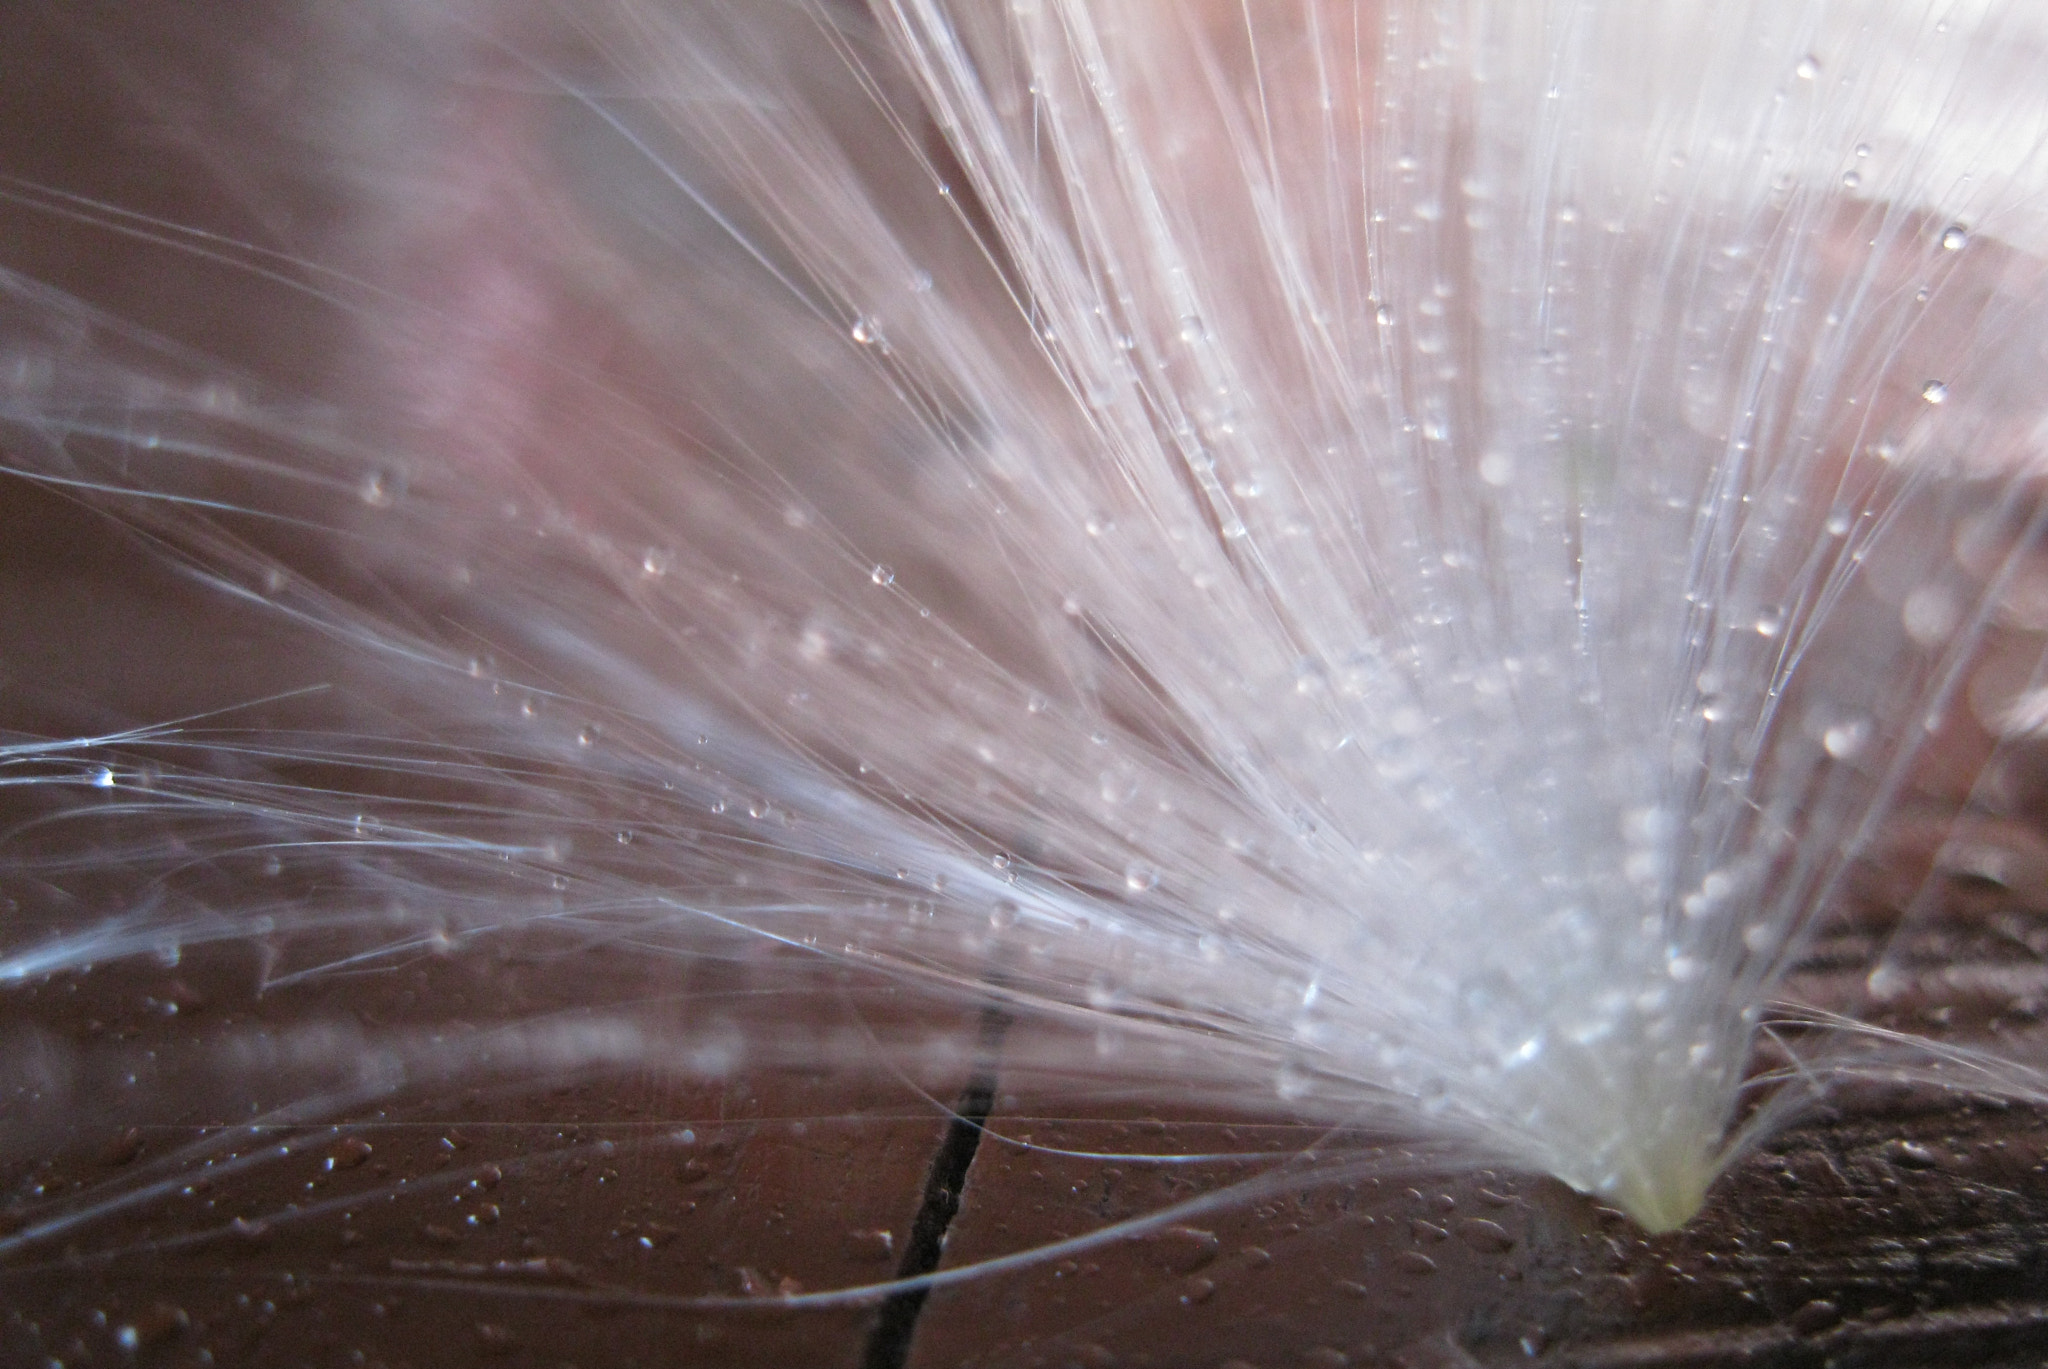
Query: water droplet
1862, 150
1484, 1235
1808, 68
1845, 739
102, 777
1955, 237
376, 490
1770, 623
1193, 330
1838, 524
349, 1153
1910, 1155
1929, 615
655, 563
496, 1339
1140, 879
873, 1245
1852, 179
865, 330
1934, 391
882, 575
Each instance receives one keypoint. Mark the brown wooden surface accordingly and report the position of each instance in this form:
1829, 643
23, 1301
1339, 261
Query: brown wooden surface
573, 1222
568, 1223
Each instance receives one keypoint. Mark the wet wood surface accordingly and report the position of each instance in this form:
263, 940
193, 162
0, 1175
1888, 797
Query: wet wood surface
679, 1215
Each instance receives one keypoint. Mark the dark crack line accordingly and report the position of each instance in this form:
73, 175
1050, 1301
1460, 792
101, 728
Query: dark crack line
896, 1325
